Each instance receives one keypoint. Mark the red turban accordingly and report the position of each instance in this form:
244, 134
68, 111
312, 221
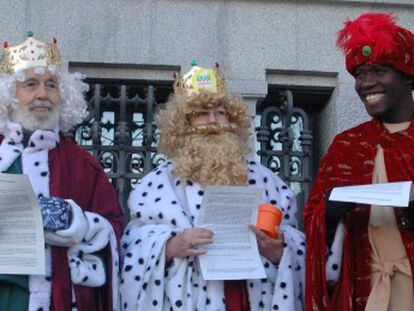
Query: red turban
376, 38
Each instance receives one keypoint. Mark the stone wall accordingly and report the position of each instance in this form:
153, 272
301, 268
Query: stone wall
257, 43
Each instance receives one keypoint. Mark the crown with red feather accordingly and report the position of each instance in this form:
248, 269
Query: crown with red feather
376, 38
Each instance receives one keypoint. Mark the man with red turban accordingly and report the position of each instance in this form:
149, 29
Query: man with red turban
368, 258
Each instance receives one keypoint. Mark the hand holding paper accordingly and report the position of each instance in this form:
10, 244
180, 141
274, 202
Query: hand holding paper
341, 200
184, 244
335, 210
395, 194
21, 232
234, 255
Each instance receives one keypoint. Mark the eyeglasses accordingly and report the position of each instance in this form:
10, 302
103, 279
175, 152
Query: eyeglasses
219, 114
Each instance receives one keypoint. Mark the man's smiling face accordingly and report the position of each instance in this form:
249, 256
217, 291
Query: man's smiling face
385, 92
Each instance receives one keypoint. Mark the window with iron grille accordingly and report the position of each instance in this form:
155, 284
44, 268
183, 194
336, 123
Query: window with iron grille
120, 132
286, 126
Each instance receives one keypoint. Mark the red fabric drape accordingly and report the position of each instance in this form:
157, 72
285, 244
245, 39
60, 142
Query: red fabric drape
236, 295
350, 161
76, 175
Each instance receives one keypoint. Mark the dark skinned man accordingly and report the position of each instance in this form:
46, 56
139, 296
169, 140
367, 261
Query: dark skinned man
368, 258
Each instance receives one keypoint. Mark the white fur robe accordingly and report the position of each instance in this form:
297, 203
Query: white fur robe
87, 234
147, 283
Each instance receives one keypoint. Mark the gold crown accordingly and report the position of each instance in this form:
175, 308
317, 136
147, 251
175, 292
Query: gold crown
200, 78
31, 53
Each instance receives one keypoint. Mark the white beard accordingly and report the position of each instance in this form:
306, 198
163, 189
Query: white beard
32, 121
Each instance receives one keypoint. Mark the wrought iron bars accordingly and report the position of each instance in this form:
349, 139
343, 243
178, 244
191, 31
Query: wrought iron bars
120, 132
285, 139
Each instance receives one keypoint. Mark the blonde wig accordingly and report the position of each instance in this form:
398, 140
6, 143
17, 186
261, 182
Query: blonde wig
209, 159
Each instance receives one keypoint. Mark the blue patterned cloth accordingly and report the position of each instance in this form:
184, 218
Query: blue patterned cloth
55, 213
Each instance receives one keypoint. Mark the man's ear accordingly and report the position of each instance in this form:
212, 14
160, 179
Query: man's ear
410, 81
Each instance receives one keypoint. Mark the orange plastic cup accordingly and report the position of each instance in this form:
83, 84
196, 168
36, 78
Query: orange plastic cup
268, 219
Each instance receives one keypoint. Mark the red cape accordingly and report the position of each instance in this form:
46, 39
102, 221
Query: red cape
350, 161
76, 175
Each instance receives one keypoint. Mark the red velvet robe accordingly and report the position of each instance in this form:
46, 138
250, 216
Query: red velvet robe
237, 297
76, 175
350, 161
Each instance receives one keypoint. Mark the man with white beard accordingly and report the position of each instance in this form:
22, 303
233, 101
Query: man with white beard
204, 134
82, 218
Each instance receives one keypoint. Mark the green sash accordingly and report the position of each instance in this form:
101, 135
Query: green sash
14, 292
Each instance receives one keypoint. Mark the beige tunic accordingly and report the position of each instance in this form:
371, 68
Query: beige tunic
391, 277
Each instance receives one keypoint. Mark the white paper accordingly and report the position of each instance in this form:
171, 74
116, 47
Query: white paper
22, 248
386, 194
234, 255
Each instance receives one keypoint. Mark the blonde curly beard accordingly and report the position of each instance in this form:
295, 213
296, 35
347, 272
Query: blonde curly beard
212, 155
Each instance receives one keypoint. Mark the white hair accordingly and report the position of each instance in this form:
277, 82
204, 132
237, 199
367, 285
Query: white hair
72, 101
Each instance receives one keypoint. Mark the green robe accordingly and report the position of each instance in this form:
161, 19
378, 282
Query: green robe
14, 289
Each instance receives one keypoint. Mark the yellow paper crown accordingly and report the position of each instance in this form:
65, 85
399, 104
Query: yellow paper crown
31, 53
200, 78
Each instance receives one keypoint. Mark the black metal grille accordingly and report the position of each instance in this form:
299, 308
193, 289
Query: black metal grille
285, 138
120, 132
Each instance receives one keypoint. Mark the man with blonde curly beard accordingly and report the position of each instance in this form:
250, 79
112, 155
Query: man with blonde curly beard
204, 134
210, 150
82, 219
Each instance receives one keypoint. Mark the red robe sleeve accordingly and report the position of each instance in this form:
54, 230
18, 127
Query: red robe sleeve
316, 295
76, 175
331, 174
344, 164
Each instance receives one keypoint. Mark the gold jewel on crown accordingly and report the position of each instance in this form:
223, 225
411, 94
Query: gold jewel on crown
31, 53
200, 78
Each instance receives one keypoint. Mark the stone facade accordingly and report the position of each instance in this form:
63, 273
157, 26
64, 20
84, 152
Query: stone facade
257, 43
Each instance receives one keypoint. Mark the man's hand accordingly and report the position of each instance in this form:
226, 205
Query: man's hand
184, 244
269, 247
407, 216
334, 211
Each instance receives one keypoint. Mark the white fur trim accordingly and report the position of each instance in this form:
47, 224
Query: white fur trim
74, 305
11, 146
14, 132
87, 269
40, 286
9, 151
35, 164
148, 284
334, 261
